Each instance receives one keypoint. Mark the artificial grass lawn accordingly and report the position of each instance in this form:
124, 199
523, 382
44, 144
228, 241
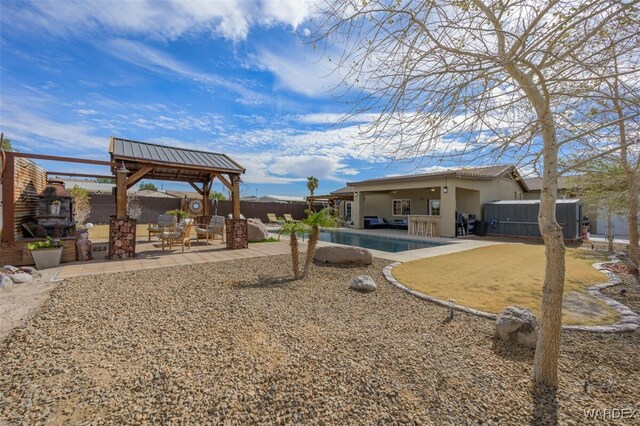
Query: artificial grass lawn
492, 278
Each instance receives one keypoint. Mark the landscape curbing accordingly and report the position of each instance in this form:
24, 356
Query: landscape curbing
629, 320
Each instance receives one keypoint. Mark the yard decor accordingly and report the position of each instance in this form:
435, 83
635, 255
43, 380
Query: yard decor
46, 254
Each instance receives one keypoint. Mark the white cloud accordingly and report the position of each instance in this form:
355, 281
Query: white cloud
296, 72
148, 58
167, 20
25, 125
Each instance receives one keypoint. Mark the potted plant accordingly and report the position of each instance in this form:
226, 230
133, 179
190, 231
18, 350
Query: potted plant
180, 213
54, 208
46, 254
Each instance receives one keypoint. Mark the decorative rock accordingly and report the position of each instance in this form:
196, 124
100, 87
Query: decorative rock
363, 283
31, 271
518, 325
20, 277
343, 255
257, 230
5, 281
10, 269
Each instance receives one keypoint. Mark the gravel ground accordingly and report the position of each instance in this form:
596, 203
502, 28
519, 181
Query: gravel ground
237, 343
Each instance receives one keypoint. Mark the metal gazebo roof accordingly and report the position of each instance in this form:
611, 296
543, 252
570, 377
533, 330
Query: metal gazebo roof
171, 163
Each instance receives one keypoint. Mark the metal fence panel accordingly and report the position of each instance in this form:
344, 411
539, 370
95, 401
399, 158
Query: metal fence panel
522, 219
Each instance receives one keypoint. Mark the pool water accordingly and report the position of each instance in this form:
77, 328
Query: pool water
375, 242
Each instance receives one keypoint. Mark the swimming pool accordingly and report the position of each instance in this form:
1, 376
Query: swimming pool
375, 242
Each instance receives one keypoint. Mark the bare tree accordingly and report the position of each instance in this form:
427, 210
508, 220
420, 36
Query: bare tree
472, 78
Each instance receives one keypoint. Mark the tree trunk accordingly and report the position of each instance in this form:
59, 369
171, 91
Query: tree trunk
610, 230
311, 248
293, 243
545, 368
634, 251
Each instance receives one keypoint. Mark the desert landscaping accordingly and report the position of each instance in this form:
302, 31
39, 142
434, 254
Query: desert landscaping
203, 344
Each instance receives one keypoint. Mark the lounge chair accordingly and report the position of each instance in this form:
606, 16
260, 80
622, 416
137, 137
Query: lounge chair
213, 228
289, 218
181, 235
166, 222
273, 219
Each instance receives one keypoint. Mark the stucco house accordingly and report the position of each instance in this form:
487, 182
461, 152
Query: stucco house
443, 194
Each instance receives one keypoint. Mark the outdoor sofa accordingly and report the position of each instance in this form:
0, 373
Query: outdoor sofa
375, 222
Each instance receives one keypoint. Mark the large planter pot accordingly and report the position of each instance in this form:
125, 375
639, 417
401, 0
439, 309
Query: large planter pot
47, 258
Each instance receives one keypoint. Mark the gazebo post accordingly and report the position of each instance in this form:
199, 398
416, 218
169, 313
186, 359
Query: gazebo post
235, 196
206, 190
121, 192
122, 230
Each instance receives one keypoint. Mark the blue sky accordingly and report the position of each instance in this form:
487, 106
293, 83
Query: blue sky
224, 76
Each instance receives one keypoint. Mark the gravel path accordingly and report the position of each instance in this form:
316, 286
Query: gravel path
236, 343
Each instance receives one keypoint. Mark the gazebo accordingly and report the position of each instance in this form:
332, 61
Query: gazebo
134, 161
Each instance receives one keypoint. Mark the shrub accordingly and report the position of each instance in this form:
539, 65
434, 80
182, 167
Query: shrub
48, 243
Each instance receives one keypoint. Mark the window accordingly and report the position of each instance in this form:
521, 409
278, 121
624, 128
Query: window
434, 207
401, 207
347, 211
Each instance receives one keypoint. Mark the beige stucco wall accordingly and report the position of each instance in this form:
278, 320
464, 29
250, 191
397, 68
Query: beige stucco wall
464, 195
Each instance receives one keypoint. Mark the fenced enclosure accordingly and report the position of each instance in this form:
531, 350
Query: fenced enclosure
520, 218
103, 206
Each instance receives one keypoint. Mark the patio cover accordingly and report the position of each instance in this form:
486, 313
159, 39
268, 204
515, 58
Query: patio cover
142, 160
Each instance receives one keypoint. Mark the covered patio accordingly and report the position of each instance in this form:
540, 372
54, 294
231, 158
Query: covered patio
141, 160
24, 183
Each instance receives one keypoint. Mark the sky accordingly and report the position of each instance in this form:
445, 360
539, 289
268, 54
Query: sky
230, 76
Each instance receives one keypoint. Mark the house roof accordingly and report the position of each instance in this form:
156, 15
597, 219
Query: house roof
535, 184
481, 173
343, 190
182, 194
152, 193
171, 163
89, 185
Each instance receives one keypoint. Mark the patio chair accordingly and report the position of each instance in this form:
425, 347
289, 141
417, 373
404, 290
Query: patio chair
181, 235
289, 218
273, 219
166, 222
215, 227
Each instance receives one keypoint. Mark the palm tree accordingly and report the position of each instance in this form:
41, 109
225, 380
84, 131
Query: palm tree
312, 185
294, 229
325, 218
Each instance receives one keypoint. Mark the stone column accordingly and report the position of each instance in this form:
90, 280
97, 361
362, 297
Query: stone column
448, 211
357, 210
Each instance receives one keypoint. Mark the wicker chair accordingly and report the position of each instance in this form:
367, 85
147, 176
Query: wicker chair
181, 235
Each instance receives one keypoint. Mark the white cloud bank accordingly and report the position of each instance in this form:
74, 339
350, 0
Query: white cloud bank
166, 20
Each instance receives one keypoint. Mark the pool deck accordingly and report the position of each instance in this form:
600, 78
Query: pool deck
150, 255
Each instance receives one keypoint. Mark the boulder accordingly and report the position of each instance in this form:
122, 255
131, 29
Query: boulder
519, 325
31, 271
5, 281
10, 269
20, 277
345, 255
363, 283
257, 231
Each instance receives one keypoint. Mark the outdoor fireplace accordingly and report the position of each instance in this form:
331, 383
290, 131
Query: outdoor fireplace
55, 210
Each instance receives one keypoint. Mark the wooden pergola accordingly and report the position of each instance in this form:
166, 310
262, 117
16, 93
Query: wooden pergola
141, 160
